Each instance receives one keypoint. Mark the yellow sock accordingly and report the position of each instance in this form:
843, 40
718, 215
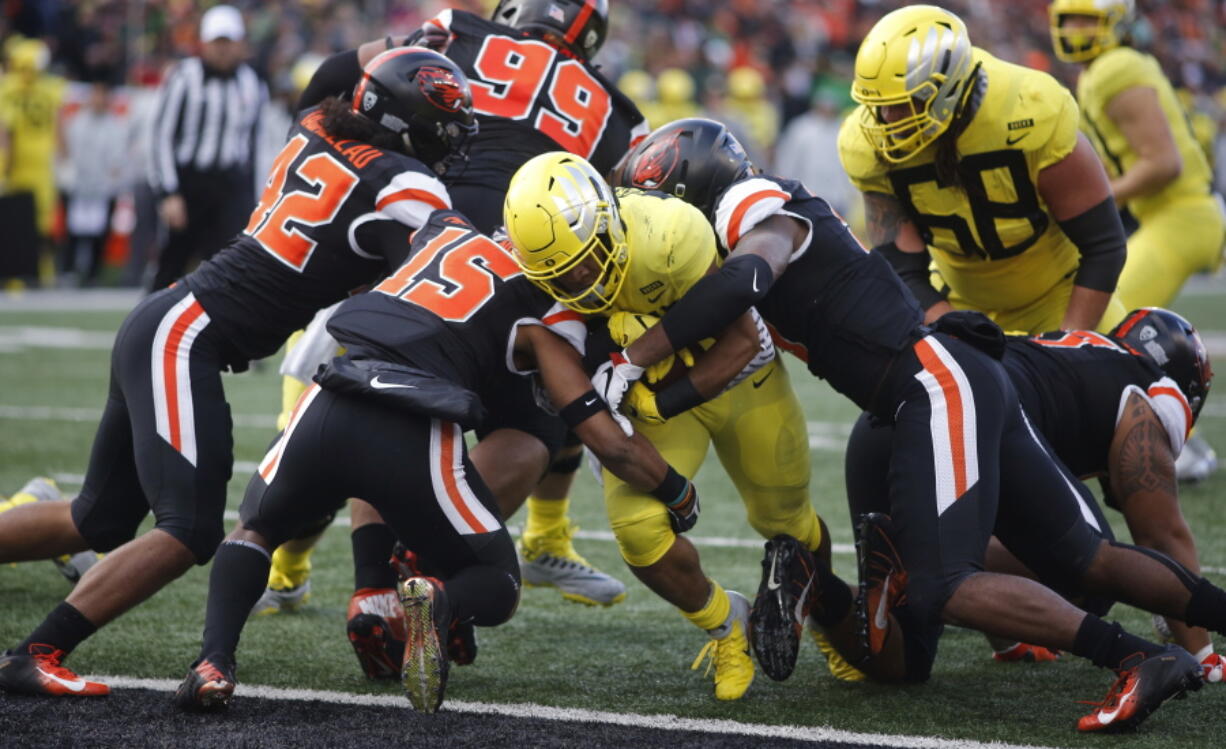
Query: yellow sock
292, 567
545, 516
715, 612
810, 532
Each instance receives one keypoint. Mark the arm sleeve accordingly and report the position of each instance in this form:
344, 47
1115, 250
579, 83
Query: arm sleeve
912, 268
1099, 236
383, 237
336, 76
717, 299
163, 171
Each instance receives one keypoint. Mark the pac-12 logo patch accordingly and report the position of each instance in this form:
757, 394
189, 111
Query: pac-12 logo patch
656, 163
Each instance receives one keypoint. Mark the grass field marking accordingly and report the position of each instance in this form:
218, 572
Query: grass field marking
542, 712
94, 415
15, 338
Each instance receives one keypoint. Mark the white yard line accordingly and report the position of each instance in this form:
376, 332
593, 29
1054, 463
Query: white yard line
543, 712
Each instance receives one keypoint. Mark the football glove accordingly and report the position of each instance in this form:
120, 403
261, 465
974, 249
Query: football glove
641, 404
614, 378
683, 513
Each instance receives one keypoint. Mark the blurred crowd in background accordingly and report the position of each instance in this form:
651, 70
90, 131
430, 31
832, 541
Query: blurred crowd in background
778, 71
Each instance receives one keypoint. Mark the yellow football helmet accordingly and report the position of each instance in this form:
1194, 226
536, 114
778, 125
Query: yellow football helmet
560, 214
1083, 44
918, 57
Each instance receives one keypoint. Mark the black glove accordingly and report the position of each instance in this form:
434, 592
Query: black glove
683, 514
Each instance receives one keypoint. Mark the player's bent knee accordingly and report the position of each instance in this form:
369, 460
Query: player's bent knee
201, 539
644, 540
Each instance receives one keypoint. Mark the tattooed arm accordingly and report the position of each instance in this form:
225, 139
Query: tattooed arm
893, 233
1141, 474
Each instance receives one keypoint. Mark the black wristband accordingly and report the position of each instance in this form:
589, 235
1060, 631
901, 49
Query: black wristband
678, 397
912, 268
1099, 236
581, 409
672, 489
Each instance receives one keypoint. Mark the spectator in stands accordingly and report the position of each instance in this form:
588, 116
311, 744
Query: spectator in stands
809, 151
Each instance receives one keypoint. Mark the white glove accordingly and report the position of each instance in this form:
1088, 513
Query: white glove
614, 378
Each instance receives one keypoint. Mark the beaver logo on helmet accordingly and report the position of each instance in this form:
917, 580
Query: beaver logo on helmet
441, 88
656, 163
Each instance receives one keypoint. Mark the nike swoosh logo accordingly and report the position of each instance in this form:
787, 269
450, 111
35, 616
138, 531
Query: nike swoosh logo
771, 583
591, 402
75, 686
800, 602
1010, 140
378, 384
755, 280
758, 383
1107, 717
881, 617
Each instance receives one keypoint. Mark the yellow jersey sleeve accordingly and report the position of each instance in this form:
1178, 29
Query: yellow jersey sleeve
672, 245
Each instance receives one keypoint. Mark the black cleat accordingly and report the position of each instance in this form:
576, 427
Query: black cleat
781, 606
1141, 686
209, 685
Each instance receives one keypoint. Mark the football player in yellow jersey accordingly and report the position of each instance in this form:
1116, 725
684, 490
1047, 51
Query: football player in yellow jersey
1158, 170
979, 163
605, 253
29, 112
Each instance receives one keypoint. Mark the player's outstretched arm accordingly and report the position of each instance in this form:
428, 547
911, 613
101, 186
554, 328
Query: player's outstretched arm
1078, 196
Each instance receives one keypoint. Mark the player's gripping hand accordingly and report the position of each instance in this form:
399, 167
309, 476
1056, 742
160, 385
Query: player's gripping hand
641, 404
614, 378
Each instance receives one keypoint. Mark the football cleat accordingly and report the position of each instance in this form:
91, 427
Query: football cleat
1162, 630
1023, 652
1142, 684
728, 655
1213, 667
427, 617
376, 629
883, 580
281, 599
781, 606
209, 685
1196, 462
39, 672
835, 662
462, 643
550, 560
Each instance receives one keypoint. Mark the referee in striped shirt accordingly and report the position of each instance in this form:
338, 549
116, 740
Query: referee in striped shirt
203, 145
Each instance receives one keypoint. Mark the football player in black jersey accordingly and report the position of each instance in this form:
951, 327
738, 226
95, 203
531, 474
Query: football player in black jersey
963, 453
424, 350
354, 181
535, 90
1108, 409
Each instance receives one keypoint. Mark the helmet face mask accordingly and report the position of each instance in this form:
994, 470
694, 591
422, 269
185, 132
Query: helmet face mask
567, 232
915, 62
1174, 345
694, 159
424, 98
1082, 42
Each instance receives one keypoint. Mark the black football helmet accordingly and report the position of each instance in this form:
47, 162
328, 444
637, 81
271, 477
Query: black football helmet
1174, 345
579, 25
422, 97
695, 159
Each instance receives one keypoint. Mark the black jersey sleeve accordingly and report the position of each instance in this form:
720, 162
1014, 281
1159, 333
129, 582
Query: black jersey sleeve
336, 76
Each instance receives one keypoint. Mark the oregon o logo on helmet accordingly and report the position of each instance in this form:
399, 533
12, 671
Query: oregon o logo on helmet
440, 87
657, 163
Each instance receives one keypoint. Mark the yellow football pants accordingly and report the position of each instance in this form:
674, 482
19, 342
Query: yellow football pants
1181, 239
759, 434
1047, 312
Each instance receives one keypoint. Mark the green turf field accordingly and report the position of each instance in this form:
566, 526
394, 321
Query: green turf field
634, 657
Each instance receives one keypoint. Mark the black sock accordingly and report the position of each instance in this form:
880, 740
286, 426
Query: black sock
63, 629
834, 599
236, 582
1207, 608
1106, 645
372, 548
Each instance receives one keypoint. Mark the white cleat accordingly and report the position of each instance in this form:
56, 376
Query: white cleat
552, 561
1197, 461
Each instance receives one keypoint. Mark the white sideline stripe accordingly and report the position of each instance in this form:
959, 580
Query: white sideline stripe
634, 720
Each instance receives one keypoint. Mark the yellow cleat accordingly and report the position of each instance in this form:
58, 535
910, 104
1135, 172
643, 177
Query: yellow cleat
729, 655
838, 665
286, 591
550, 560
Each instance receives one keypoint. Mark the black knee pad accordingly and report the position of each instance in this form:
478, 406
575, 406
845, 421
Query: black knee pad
106, 529
315, 527
201, 539
566, 462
